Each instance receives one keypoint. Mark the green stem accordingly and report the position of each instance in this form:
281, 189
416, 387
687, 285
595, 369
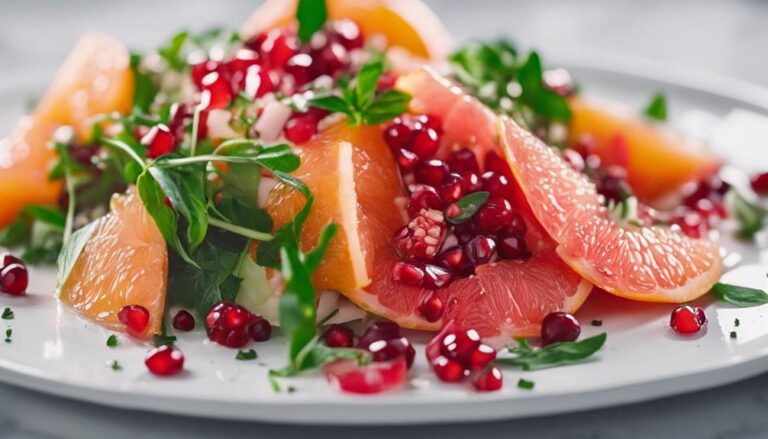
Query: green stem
171, 163
70, 220
125, 148
195, 126
242, 231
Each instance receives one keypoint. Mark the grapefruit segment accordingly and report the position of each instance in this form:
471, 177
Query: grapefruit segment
650, 264
657, 162
124, 262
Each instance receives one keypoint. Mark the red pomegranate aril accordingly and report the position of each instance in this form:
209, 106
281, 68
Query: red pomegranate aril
135, 318
687, 319
447, 370
228, 324
398, 135
347, 33
385, 350
176, 117
202, 126
165, 361
239, 65
480, 357
431, 307
377, 377
517, 225
9, 259
512, 246
496, 163
258, 82
201, 69
498, 185
692, 225
159, 141
459, 345
463, 160
493, 215
425, 143
489, 380
300, 68
278, 48
613, 188
339, 336
436, 277
329, 60
14, 277
380, 330
424, 198
431, 172
471, 182
480, 250
456, 260
424, 121
408, 274
217, 91
184, 321
406, 160
260, 329
559, 327
760, 183
464, 232
300, 129
452, 189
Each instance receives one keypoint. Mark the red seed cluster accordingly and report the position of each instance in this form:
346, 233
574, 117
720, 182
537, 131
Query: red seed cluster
456, 354
231, 325
383, 339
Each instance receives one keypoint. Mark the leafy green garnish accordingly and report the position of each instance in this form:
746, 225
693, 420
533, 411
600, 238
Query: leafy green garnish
145, 88
172, 51
116, 366
362, 104
739, 296
7, 314
8, 335
469, 205
558, 354
657, 108
736, 322
71, 251
250, 354
751, 216
733, 334
185, 188
545, 102
311, 15
112, 341
525, 384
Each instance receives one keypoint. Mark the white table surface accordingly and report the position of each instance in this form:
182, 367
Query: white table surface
726, 37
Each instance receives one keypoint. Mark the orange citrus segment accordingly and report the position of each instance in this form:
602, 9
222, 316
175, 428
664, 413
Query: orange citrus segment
409, 24
352, 175
650, 264
657, 161
124, 262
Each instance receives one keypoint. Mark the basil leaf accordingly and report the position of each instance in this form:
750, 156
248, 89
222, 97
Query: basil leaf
185, 187
469, 205
657, 108
366, 82
71, 251
386, 106
558, 354
333, 103
311, 15
740, 296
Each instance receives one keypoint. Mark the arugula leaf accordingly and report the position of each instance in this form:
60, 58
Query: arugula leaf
278, 158
657, 108
469, 205
751, 216
185, 187
558, 354
311, 15
740, 296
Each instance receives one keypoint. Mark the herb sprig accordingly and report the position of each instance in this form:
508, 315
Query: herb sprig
739, 296
558, 354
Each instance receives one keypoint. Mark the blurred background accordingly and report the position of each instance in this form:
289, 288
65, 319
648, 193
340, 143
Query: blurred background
725, 37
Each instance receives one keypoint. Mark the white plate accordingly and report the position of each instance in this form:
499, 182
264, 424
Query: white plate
55, 351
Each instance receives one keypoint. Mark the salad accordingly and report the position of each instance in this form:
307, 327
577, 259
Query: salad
340, 171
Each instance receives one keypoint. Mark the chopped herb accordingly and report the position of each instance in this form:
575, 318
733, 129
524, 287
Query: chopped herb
736, 322
657, 108
291, 389
311, 15
250, 354
733, 334
112, 341
751, 216
525, 384
116, 366
740, 296
163, 340
468, 206
7, 314
597, 323
558, 354
8, 334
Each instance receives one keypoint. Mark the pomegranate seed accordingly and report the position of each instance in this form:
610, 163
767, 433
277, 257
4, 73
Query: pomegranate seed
452, 189
300, 68
398, 135
14, 277
376, 377
347, 33
489, 380
431, 172
574, 159
260, 329
159, 141
559, 81
434, 346
165, 361
432, 307
217, 92
339, 336
406, 160
9, 259
436, 277
692, 225
135, 318
424, 121
464, 232
452, 211
493, 215
480, 250
459, 345
422, 237
463, 160
177, 115
184, 321
258, 82
498, 164
385, 350
201, 70
471, 182
425, 144
449, 371
760, 183
238, 66
228, 324
558, 327
408, 274
329, 60
512, 246
299, 129
424, 198
278, 48
687, 319
480, 357
387, 81
456, 260
517, 225
613, 188
380, 330
498, 185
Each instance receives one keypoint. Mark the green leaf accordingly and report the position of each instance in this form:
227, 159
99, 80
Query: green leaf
366, 82
558, 354
751, 216
657, 108
7, 314
172, 52
250, 354
112, 341
71, 251
116, 366
278, 158
525, 384
185, 187
311, 15
739, 296
144, 87
47, 215
386, 106
333, 103
297, 304
469, 205
314, 257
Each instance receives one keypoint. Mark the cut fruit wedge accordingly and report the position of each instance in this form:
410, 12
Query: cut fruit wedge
657, 161
651, 264
124, 262
409, 24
